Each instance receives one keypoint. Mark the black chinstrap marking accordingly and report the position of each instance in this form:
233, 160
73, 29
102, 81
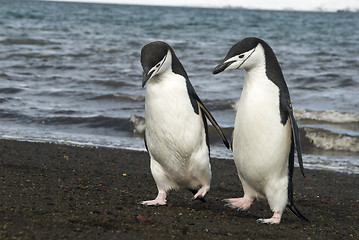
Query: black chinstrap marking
247, 58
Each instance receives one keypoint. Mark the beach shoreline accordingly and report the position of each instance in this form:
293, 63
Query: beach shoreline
53, 191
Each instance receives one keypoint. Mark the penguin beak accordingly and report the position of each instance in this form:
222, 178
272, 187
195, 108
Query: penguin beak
222, 67
146, 76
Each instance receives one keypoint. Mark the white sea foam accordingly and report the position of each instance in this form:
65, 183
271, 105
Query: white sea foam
138, 123
327, 116
330, 116
332, 141
332, 163
234, 105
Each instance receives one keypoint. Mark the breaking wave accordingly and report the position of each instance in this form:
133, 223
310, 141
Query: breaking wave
327, 140
329, 116
139, 124
326, 116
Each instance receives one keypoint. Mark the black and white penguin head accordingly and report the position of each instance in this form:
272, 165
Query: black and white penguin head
246, 54
156, 58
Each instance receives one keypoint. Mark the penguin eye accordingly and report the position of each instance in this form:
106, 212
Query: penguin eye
241, 56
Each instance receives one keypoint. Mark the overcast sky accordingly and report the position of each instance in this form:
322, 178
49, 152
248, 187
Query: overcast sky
327, 5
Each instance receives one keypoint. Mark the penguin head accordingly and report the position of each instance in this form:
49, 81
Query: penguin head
246, 54
156, 58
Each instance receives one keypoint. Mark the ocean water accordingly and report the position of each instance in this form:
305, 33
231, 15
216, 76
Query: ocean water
70, 72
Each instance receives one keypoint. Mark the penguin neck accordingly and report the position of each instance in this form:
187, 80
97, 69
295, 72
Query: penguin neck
161, 78
255, 75
259, 98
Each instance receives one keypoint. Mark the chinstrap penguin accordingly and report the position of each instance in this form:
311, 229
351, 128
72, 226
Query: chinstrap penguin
176, 134
265, 134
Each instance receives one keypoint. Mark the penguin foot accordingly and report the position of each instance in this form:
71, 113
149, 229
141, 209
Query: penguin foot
240, 203
159, 200
201, 192
275, 219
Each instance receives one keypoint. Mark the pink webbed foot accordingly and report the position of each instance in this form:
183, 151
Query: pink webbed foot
201, 192
240, 203
159, 200
275, 219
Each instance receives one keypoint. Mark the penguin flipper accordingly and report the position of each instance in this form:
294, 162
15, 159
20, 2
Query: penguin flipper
290, 204
198, 105
295, 134
297, 143
213, 121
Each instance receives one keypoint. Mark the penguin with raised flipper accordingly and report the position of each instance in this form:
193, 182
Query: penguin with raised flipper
176, 132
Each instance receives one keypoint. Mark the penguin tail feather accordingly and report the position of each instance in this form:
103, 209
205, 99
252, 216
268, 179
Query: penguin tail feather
296, 212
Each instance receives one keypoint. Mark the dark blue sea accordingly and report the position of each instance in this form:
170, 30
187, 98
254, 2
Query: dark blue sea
70, 72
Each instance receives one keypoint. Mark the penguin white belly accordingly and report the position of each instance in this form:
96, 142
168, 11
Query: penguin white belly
175, 134
261, 143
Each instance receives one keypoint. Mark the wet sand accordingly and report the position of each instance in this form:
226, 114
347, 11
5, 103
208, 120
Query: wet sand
51, 191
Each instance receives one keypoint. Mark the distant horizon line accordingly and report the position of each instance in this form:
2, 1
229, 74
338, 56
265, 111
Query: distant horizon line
354, 10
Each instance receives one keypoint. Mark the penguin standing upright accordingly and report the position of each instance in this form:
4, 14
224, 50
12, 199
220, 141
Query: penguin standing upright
265, 134
176, 134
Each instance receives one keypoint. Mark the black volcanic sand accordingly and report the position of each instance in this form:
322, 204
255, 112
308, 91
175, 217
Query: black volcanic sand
51, 191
